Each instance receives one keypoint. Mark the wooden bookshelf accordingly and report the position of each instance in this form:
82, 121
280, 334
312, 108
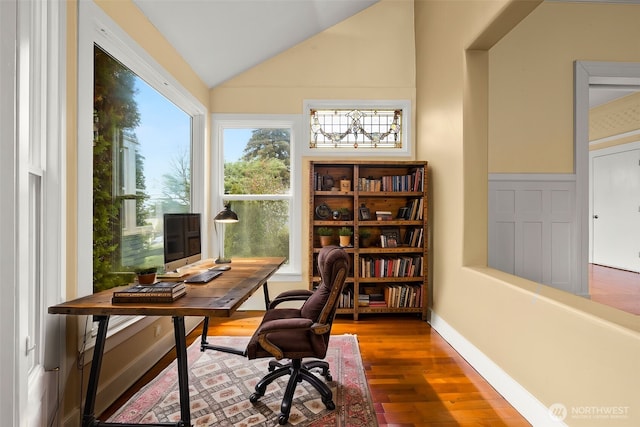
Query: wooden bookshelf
389, 269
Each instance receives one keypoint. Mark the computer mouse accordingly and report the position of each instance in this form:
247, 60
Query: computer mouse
220, 268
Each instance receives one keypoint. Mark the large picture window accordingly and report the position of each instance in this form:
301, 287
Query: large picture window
258, 163
139, 155
141, 170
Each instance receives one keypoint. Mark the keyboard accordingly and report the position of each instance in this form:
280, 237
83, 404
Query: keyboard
204, 277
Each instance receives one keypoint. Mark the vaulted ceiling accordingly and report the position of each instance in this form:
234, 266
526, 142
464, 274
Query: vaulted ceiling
222, 38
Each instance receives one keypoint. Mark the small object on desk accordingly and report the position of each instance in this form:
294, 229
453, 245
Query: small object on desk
204, 277
220, 268
172, 275
158, 292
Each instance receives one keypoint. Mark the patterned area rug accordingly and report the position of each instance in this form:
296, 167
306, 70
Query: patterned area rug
220, 385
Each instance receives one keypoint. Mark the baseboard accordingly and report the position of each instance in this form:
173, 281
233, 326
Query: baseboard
523, 401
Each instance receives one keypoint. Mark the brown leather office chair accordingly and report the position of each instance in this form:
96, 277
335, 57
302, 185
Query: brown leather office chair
297, 333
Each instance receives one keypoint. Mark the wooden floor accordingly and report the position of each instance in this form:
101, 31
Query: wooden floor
616, 288
415, 377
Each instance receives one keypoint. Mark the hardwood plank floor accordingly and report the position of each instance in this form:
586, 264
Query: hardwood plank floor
616, 288
415, 377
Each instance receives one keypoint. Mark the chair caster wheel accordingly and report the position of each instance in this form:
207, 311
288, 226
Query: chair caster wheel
254, 397
282, 419
330, 405
328, 377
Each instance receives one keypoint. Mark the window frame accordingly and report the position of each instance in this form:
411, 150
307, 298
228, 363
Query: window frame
407, 148
292, 272
96, 27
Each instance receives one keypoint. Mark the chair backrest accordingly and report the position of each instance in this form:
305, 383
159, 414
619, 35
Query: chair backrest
333, 265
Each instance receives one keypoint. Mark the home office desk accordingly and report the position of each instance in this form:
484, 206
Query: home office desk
219, 298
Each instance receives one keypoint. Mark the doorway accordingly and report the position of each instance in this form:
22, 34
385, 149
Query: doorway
615, 202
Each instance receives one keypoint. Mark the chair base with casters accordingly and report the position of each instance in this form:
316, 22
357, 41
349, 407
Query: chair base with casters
298, 334
298, 372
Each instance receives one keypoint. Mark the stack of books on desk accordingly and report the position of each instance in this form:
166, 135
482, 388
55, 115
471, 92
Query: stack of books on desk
158, 292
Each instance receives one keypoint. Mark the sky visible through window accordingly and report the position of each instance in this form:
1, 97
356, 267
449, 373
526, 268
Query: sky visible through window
168, 126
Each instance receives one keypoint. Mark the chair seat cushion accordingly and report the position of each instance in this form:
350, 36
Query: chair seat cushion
289, 332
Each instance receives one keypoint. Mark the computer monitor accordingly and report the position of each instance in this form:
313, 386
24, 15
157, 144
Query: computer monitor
182, 240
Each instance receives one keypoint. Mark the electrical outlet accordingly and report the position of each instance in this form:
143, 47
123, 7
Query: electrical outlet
156, 331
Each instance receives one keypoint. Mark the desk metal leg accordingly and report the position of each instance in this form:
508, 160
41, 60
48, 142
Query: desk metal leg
183, 373
89, 417
204, 344
267, 300
205, 333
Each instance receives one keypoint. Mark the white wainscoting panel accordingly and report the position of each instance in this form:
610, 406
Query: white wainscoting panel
533, 228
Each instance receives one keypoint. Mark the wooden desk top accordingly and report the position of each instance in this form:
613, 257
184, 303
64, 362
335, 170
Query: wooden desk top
219, 298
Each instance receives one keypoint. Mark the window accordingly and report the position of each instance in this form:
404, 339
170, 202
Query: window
141, 170
352, 128
259, 178
150, 147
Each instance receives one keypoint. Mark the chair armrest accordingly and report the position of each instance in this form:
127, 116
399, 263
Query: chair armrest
293, 295
279, 325
320, 328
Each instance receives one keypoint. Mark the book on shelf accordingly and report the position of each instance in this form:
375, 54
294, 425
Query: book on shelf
157, 292
384, 215
363, 300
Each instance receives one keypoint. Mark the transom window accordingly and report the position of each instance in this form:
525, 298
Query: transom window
356, 128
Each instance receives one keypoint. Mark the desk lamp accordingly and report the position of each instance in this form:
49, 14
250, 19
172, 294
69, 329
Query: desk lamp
225, 216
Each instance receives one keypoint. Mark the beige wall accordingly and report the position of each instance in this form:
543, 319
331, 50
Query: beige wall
369, 56
555, 345
531, 80
561, 348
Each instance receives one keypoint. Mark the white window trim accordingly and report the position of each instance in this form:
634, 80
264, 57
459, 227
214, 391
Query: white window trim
407, 123
96, 27
293, 271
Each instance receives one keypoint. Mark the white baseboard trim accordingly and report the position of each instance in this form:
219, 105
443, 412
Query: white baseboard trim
523, 401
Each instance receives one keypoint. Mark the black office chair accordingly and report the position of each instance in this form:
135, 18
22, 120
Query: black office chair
297, 333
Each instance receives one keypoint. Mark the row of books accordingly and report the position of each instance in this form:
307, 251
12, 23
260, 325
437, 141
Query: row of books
403, 266
403, 296
346, 299
389, 238
393, 296
393, 183
414, 237
414, 210
158, 292
323, 182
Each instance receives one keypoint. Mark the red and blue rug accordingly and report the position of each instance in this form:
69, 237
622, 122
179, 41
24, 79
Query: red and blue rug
220, 385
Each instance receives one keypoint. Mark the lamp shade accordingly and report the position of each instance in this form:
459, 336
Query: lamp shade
226, 215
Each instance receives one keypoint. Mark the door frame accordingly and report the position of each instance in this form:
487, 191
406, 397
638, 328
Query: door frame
586, 73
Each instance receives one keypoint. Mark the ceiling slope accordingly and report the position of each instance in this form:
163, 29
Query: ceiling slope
220, 39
